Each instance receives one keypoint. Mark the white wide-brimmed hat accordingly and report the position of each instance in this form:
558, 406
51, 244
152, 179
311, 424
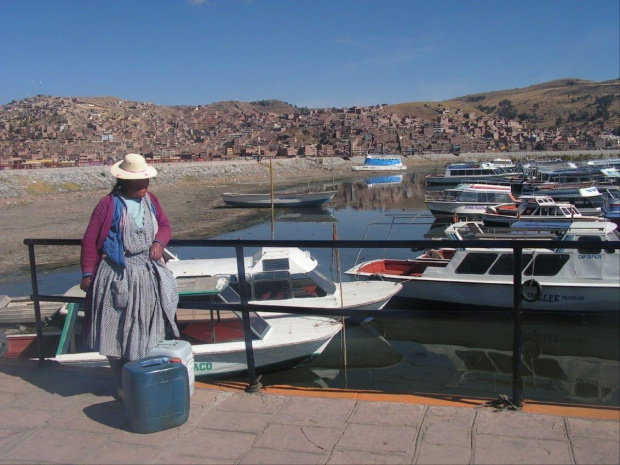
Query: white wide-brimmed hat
133, 166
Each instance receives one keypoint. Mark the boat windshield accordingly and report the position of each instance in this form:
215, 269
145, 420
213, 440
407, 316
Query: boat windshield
322, 281
281, 285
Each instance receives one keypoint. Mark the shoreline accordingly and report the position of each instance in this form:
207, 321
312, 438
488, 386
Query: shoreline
193, 205
57, 202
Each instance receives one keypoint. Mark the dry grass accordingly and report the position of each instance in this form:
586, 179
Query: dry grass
546, 101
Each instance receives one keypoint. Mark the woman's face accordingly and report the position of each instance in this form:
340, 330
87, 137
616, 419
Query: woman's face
135, 188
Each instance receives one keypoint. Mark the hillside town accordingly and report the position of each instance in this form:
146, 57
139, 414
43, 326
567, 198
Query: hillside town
45, 131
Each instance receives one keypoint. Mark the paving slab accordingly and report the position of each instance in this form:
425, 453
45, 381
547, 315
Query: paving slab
56, 415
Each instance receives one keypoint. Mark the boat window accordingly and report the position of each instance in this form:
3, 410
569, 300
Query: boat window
591, 240
272, 290
273, 285
234, 284
470, 196
501, 198
546, 265
504, 265
304, 286
476, 263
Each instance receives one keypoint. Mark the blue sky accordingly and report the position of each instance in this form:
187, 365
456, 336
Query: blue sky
323, 53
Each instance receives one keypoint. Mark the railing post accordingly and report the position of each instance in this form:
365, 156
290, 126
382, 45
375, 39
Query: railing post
254, 385
35, 300
517, 338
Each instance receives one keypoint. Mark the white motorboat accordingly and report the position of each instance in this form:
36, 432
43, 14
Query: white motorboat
559, 280
218, 344
468, 199
588, 200
286, 277
534, 208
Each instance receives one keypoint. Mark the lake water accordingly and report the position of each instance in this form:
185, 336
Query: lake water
565, 359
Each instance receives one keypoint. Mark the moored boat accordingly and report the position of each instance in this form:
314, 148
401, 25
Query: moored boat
278, 340
286, 277
459, 173
279, 200
613, 211
468, 199
533, 208
555, 280
381, 163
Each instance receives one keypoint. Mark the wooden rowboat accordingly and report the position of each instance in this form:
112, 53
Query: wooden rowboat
292, 200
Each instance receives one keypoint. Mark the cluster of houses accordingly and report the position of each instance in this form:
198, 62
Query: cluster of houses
46, 131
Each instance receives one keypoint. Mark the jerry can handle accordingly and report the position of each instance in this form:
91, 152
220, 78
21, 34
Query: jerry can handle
154, 361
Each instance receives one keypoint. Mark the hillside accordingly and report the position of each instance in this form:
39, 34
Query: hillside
575, 101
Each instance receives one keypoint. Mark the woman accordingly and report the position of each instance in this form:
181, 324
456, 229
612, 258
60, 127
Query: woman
131, 295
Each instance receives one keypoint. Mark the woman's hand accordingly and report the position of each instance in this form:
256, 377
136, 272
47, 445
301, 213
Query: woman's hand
85, 283
157, 251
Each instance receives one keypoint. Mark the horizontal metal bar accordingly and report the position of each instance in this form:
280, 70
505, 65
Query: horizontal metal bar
356, 244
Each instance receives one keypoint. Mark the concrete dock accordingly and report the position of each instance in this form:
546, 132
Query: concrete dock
51, 414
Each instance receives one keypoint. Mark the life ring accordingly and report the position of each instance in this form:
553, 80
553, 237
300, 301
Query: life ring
531, 283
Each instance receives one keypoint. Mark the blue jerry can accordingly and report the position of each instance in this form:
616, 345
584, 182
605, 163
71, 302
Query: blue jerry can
155, 394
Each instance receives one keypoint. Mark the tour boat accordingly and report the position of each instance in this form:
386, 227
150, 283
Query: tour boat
559, 280
533, 208
468, 199
588, 200
458, 173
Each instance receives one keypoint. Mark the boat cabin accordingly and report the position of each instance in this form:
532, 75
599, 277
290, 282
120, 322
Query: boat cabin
535, 206
479, 193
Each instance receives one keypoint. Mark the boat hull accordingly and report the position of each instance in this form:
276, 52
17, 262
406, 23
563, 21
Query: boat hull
292, 340
431, 294
439, 208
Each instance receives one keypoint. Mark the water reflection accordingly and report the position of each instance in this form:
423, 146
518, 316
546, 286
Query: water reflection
365, 194
562, 361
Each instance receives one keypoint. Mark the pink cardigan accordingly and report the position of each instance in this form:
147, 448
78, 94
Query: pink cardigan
99, 227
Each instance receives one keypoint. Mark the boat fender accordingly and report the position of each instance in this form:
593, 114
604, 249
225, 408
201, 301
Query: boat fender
531, 283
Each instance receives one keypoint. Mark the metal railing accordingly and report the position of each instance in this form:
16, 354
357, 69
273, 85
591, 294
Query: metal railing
517, 245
